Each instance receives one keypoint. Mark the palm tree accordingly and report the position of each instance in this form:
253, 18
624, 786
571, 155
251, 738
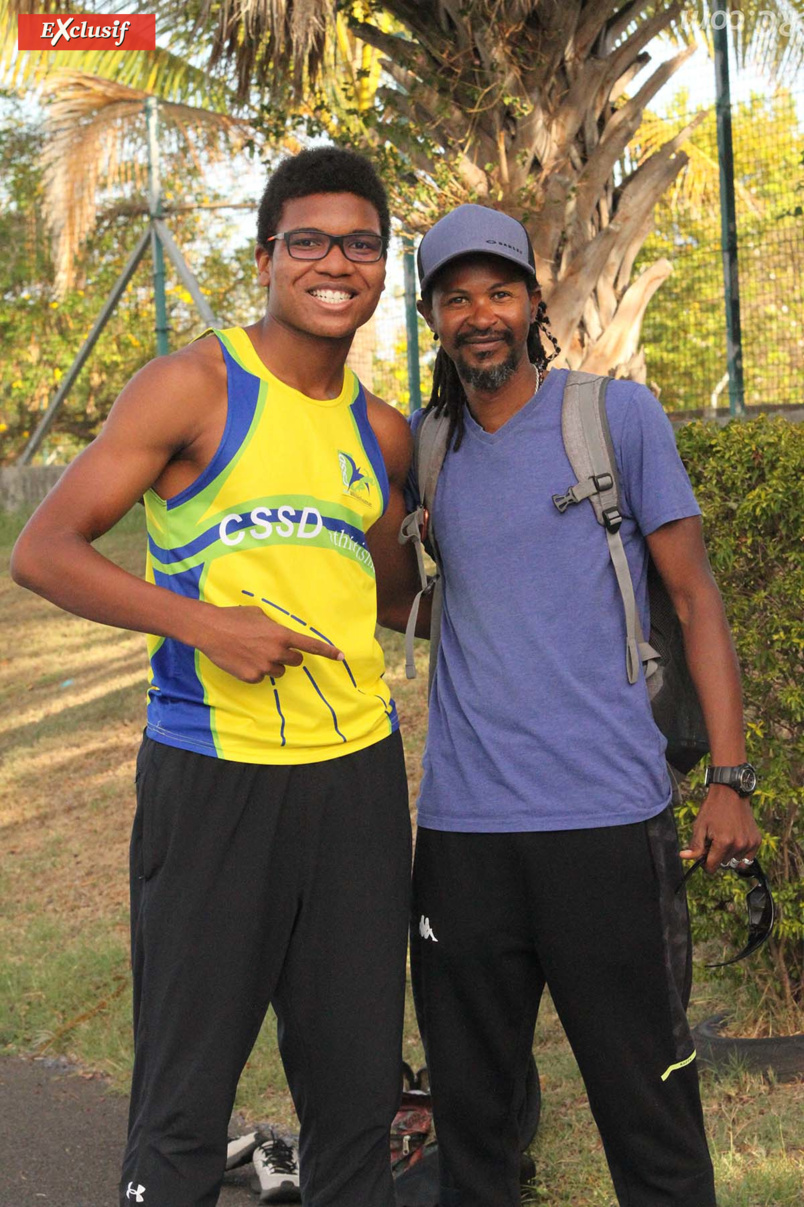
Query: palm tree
533, 106
94, 102
529, 105
95, 134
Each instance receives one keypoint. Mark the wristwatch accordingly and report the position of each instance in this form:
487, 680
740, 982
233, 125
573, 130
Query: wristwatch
742, 779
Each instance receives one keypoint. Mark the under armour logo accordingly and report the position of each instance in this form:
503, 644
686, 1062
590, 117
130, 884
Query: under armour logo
136, 1192
425, 929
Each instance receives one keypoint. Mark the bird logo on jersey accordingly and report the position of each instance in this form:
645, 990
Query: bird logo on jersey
355, 482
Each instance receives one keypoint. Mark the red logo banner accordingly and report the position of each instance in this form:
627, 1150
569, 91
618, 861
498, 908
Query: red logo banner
86, 31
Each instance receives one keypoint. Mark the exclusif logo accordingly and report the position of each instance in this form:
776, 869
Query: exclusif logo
86, 31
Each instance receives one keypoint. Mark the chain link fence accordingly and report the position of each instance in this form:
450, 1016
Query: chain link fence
386, 351
684, 332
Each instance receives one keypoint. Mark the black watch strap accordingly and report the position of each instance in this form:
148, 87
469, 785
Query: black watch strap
742, 779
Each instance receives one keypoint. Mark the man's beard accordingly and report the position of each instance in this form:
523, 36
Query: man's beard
490, 379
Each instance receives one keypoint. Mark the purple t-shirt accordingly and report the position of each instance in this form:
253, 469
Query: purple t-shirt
533, 723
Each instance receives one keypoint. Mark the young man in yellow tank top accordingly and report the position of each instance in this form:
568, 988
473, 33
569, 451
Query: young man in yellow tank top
270, 854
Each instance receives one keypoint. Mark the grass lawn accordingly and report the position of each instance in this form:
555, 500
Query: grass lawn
72, 698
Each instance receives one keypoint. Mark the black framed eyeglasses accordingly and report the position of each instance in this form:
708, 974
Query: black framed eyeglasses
362, 248
759, 902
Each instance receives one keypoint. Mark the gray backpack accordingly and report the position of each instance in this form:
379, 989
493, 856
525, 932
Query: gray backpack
587, 442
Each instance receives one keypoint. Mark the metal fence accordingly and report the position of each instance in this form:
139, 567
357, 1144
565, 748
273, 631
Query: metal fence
393, 354
684, 333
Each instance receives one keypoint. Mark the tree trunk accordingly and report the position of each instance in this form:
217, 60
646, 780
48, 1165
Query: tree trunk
522, 104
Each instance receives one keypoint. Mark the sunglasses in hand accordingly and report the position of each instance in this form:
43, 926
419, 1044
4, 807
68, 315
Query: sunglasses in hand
759, 901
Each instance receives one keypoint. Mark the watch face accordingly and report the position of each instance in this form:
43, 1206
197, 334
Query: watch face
748, 780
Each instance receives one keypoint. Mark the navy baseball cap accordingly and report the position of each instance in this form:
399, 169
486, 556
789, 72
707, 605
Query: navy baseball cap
473, 229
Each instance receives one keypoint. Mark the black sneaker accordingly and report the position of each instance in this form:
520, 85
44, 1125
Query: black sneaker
276, 1162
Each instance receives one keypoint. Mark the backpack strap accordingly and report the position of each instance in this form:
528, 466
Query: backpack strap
411, 530
588, 445
429, 451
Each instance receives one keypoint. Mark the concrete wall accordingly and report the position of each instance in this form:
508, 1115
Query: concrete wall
22, 488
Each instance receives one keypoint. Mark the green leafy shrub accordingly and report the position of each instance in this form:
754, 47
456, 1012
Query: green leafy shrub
749, 479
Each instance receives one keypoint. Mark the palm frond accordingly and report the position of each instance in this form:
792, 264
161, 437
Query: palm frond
698, 184
160, 72
268, 41
765, 34
95, 140
166, 72
352, 61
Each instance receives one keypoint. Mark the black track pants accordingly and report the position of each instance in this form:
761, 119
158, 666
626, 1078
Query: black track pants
593, 914
254, 885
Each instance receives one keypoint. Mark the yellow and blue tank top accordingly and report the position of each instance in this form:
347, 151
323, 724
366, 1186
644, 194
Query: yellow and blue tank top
278, 519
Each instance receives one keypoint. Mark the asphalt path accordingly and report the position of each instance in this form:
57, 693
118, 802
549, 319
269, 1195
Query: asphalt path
62, 1136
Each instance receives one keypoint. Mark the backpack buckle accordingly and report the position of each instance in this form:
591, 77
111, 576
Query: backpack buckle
562, 502
603, 482
424, 526
415, 526
612, 519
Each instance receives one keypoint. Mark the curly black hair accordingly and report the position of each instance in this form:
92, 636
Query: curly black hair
321, 170
448, 395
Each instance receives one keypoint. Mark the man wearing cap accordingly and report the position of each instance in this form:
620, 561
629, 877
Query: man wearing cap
546, 849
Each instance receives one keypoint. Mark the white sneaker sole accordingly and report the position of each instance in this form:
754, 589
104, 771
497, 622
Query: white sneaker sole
240, 1149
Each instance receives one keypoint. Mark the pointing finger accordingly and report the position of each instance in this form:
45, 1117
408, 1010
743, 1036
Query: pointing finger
310, 645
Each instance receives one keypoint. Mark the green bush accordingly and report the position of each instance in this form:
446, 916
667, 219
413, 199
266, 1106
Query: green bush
748, 478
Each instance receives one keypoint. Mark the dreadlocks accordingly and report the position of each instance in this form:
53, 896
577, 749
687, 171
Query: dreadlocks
448, 394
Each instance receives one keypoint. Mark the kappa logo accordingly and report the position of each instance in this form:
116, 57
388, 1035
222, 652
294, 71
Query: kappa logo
425, 929
137, 1193
355, 482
